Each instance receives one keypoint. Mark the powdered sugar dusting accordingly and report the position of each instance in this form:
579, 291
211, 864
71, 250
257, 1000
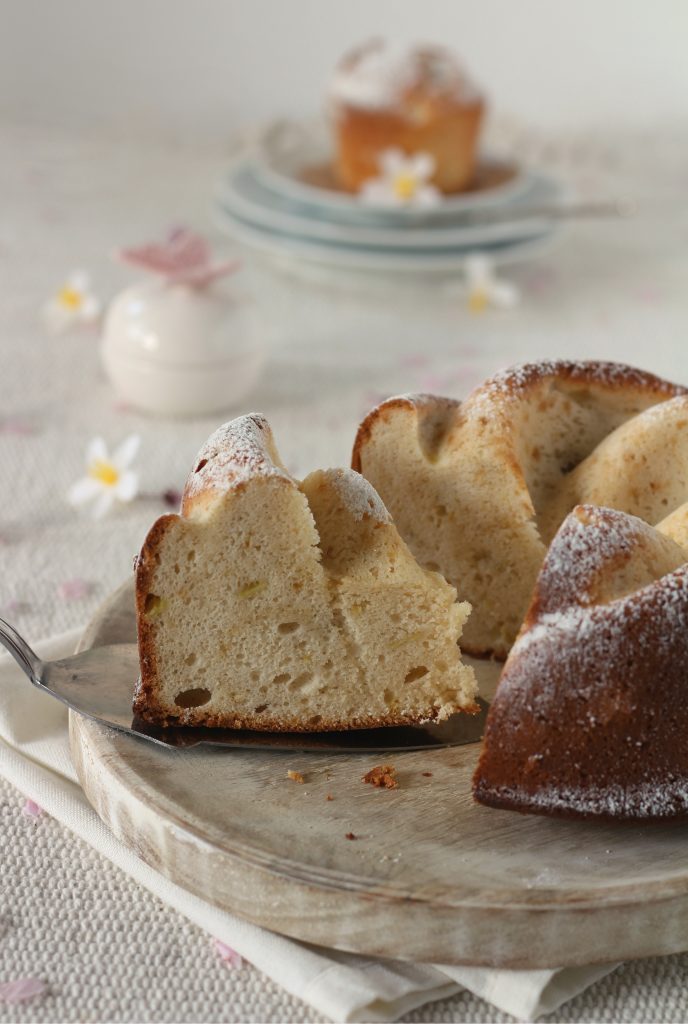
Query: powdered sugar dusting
409, 397
380, 73
237, 451
591, 709
416, 400
648, 800
569, 621
358, 496
510, 384
420, 398
589, 540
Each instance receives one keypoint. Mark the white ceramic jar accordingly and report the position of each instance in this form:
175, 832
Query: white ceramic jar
180, 350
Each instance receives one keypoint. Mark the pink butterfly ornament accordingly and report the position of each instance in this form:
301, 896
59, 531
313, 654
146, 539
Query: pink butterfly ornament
183, 257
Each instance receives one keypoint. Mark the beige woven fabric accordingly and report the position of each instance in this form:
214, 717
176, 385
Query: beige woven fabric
109, 951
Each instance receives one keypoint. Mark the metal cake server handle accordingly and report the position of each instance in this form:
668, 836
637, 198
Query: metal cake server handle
99, 683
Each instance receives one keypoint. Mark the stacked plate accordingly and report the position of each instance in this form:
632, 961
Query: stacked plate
281, 198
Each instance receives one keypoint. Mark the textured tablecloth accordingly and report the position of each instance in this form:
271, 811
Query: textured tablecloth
613, 290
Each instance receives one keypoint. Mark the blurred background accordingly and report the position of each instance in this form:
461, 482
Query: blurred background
120, 122
199, 71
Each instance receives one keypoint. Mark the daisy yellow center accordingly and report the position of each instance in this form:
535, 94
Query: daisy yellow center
478, 300
405, 185
70, 298
104, 472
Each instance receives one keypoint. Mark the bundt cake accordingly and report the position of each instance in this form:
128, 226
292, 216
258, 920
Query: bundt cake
478, 489
590, 717
414, 99
273, 605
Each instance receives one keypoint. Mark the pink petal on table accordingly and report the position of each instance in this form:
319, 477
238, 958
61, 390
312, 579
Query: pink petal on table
21, 989
466, 376
434, 382
74, 590
229, 955
16, 425
16, 607
414, 360
649, 293
540, 280
121, 406
467, 351
31, 809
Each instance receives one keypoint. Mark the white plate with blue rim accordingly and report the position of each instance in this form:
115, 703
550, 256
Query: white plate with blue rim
243, 197
294, 159
287, 248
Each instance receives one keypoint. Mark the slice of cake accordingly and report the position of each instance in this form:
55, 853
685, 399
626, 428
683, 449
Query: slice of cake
591, 713
273, 605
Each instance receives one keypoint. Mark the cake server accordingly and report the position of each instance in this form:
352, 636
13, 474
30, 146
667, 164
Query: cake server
99, 683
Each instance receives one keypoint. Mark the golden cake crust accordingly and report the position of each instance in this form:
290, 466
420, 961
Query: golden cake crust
590, 715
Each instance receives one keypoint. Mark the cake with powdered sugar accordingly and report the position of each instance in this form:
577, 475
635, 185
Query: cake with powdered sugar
387, 95
275, 605
591, 713
478, 489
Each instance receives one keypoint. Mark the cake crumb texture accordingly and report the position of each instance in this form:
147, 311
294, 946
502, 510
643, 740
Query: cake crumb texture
276, 605
478, 489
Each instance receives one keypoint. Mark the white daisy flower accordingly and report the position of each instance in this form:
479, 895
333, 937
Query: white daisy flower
73, 303
108, 479
485, 288
404, 181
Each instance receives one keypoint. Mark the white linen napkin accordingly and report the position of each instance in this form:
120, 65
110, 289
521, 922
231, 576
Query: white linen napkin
34, 756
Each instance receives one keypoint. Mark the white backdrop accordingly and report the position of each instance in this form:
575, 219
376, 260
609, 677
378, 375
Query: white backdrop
198, 69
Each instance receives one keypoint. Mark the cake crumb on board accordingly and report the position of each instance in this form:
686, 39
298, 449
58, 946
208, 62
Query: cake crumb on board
295, 776
383, 776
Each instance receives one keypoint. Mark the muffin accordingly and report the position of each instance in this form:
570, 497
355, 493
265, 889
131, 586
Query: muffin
385, 96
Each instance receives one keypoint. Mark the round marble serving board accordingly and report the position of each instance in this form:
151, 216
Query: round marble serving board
430, 875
